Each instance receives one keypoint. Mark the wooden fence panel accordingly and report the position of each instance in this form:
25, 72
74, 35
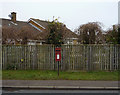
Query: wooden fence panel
74, 57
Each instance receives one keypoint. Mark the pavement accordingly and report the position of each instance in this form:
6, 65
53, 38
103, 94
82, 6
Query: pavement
60, 84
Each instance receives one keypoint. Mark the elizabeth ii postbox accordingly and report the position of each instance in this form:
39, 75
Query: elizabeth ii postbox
57, 54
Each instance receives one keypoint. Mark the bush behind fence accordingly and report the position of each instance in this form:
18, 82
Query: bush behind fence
74, 57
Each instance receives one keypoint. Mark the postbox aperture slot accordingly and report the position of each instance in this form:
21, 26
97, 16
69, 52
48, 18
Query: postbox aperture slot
58, 50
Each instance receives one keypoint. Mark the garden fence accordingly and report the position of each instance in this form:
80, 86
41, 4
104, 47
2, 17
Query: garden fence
74, 57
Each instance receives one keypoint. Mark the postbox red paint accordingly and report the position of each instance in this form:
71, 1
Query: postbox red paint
57, 54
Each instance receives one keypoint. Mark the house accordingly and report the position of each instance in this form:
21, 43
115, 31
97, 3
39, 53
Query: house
34, 30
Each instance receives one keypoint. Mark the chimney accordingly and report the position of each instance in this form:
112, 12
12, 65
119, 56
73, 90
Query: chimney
114, 27
13, 17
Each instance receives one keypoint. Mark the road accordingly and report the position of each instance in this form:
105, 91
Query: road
58, 92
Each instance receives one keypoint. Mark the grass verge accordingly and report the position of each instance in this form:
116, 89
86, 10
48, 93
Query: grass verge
52, 75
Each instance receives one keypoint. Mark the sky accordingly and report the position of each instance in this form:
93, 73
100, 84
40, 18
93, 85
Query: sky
73, 13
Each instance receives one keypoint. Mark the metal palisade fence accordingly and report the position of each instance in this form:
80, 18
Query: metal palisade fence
74, 57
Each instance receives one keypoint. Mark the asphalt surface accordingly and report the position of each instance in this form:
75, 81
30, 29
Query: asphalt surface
60, 92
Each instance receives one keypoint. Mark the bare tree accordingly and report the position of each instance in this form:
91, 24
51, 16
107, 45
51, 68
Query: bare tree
25, 33
9, 35
12, 35
88, 32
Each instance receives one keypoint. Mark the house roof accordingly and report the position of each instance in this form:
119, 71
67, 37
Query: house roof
69, 34
39, 35
19, 25
66, 34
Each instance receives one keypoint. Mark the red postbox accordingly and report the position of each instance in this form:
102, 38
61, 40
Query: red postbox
57, 54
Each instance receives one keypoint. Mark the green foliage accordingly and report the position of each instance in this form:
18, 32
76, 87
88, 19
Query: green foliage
55, 36
11, 67
119, 36
112, 37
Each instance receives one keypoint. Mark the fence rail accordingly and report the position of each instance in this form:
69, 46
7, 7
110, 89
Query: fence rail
74, 57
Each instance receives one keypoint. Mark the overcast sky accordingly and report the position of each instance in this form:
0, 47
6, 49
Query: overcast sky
71, 12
